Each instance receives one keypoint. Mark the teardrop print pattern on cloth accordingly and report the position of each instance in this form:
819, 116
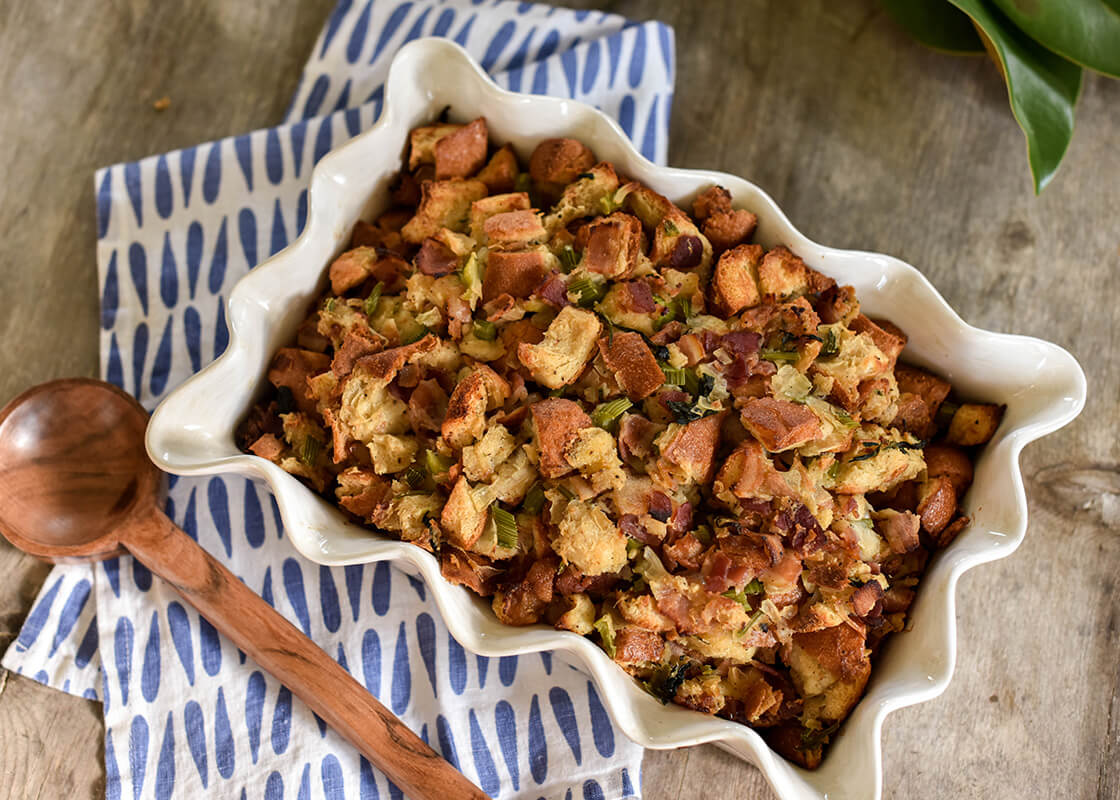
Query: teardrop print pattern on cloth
187, 714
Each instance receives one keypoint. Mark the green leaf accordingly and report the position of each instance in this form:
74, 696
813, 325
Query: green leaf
1041, 86
936, 24
1086, 32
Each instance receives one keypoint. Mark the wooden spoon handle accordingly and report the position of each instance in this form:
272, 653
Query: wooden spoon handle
281, 649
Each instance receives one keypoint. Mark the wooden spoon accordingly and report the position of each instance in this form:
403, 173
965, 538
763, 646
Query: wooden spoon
78, 486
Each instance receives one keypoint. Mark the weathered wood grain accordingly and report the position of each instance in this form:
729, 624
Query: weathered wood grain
865, 139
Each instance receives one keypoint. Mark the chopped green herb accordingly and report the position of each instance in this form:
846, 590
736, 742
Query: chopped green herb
605, 626
328, 306
435, 463
874, 451
415, 476
787, 356
743, 597
373, 299
309, 452
685, 412
606, 413
587, 291
521, 182
506, 526
665, 681
487, 331
833, 471
414, 335
568, 258
534, 500
670, 228
830, 347
633, 547
811, 738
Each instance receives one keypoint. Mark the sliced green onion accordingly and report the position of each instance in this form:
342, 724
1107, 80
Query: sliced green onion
605, 626
830, 347
568, 258
506, 526
633, 547
534, 500
670, 228
435, 463
586, 291
414, 335
415, 476
606, 413
328, 306
373, 299
309, 452
675, 376
788, 356
487, 331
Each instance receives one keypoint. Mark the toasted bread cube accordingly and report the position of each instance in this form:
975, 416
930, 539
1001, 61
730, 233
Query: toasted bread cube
633, 645
735, 285
580, 618
292, 368
837, 304
584, 196
831, 666
937, 502
727, 229
779, 424
500, 174
481, 390
950, 462
390, 453
974, 423
881, 470
462, 519
628, 356
613, 245
486, 207
462, 152
688, 452
782, 275
514, 229
555, 422
594, 453
567, 346
443, 204
517, 274
887, 336
555, 163
422, 142
481, 460
713, 200
587, 538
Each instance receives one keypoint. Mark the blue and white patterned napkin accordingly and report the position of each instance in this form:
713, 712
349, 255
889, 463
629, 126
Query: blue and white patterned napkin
186, 714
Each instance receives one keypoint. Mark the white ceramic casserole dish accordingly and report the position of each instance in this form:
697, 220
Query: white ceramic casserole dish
192, 431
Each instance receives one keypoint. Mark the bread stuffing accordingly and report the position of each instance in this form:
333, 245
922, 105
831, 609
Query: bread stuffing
621, 416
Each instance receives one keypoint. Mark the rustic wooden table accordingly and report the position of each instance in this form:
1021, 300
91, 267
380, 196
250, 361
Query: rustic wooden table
864, 138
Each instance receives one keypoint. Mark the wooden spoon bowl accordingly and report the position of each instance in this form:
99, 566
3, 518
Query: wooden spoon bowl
78, 486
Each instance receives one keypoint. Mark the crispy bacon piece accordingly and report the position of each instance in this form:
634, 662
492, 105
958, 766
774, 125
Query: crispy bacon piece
866, 597
436, 258
571, 581
635, 437
900, 529
780, 424
427, 406
554, 291
638, 297
268, 447
633, 365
